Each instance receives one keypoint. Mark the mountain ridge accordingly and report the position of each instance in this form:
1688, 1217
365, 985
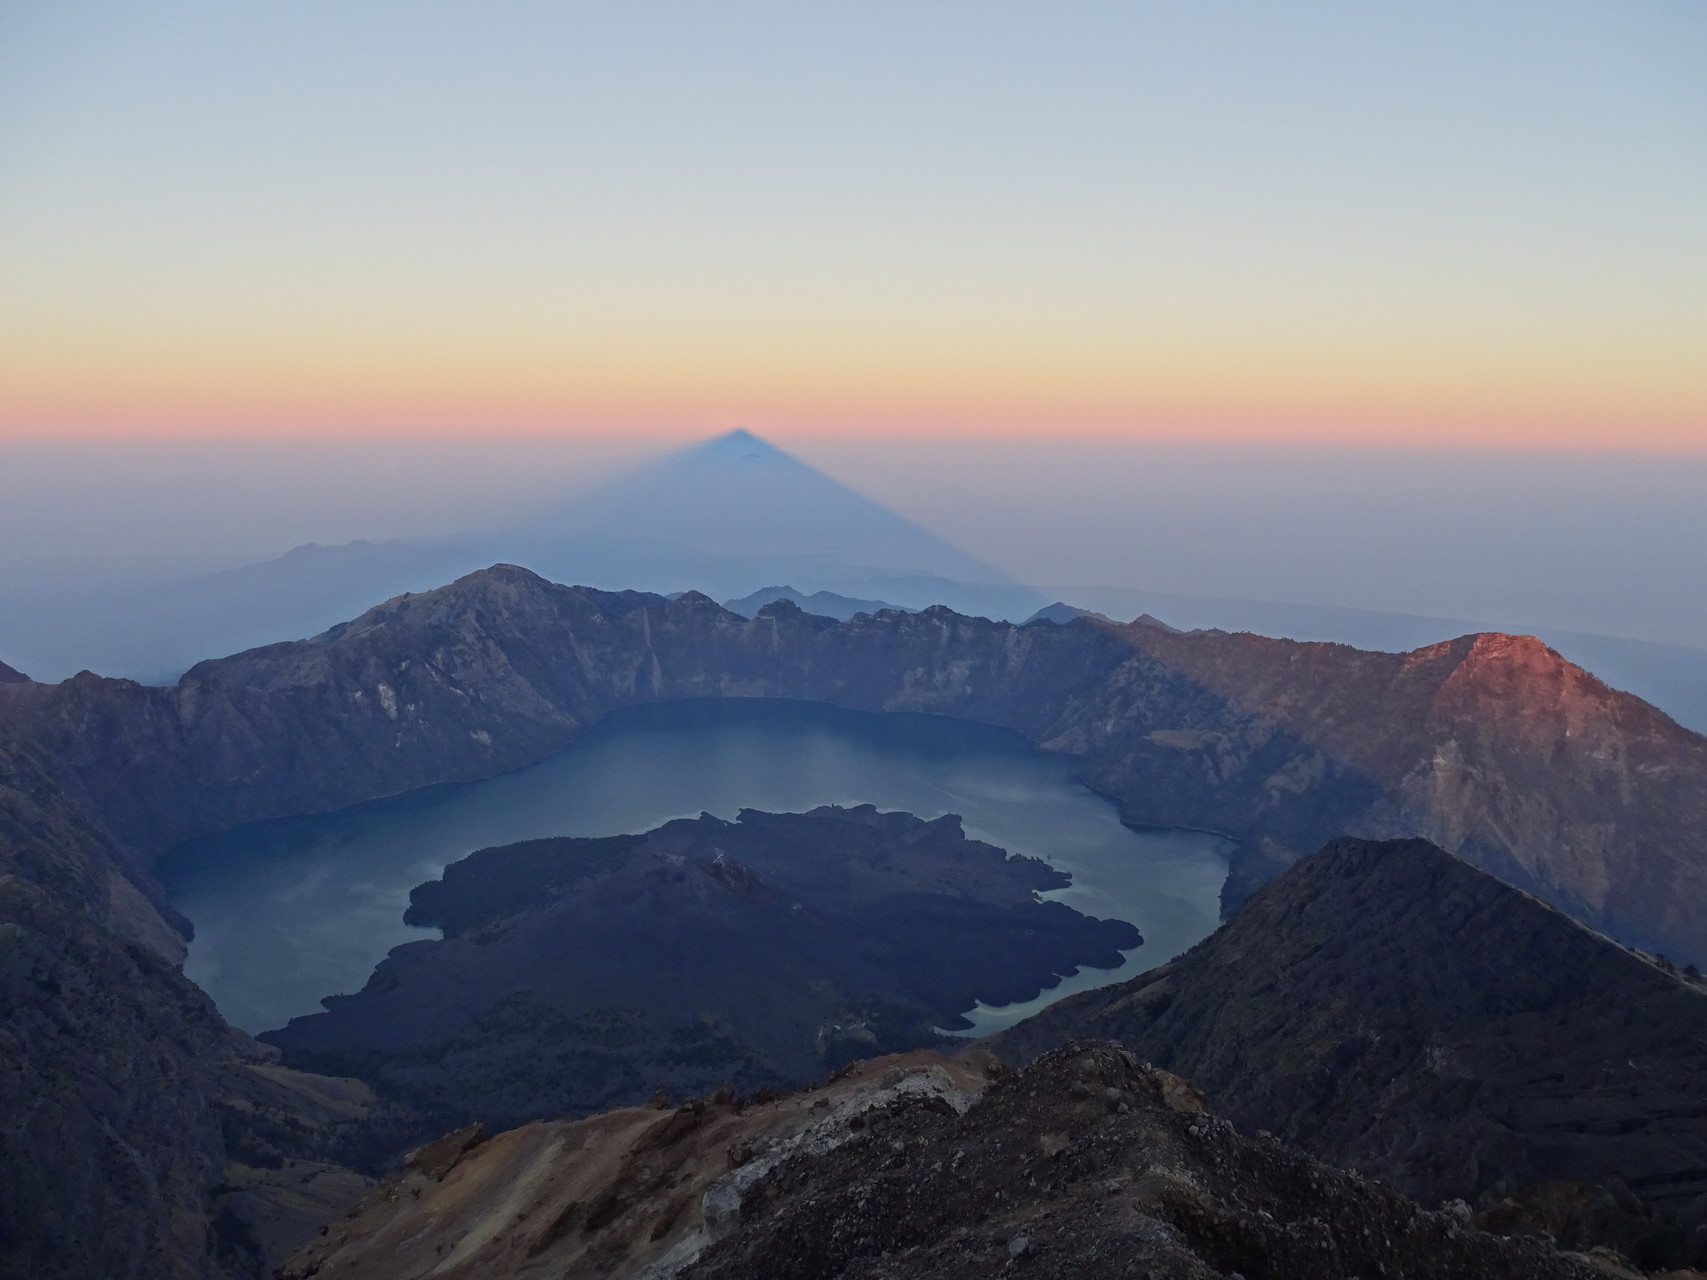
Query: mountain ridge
829, 604
1495, 747
1087, 1162
1388, 1007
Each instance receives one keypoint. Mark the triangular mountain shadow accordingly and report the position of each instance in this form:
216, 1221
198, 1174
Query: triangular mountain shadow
723, 517
738, 495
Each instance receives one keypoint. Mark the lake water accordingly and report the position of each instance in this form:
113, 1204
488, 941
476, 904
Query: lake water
292, 910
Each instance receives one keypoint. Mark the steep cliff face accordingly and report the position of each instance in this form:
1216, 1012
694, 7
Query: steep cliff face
1492, 745
11, 675
126, 1103
139, 1135
108, 1141
1385, 1005
1497, 748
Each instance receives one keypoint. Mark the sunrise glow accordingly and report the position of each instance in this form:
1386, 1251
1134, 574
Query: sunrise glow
437, 221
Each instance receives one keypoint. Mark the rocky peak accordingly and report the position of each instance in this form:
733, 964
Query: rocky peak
1386, 1006
1088, 1162
1092, 1162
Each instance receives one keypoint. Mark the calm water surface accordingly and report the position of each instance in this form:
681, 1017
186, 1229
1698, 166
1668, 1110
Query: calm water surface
289, 911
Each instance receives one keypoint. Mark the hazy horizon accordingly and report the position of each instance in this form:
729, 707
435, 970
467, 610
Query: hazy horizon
1613, 545
1396, 308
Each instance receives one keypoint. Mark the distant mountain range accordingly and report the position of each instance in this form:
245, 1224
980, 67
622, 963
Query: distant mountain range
725, 518
826, 604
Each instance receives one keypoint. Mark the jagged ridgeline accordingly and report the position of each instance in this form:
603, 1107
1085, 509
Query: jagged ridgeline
1491, 746
1385, 1006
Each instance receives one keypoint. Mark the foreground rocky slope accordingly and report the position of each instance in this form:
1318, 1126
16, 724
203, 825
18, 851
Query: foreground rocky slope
577, 975
139, 1135
1086, 1163
1387, 1007
634, 1192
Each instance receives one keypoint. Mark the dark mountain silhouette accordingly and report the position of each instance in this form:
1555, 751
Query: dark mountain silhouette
1388, 1007
581, 974
826, 604
10, 675
1063, 613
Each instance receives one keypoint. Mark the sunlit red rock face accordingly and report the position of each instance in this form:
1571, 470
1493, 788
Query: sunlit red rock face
1492, 746
1498, 748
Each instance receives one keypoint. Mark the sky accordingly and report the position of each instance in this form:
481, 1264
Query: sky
1353, 302
1360, 224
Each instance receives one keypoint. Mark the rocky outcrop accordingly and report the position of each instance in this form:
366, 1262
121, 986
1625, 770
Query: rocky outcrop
577, 975
1086, 1163
1493, 746
1090, 1162
129, 1111
1385, 1006
107, 1139
637, 1192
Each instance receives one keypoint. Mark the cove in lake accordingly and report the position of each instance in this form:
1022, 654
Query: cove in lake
292, 910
